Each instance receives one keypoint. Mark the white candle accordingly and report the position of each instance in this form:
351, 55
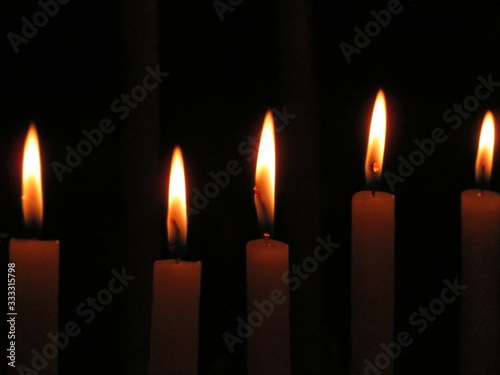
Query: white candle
174, 324
36, 299
176, 291
36, 263
372, 277
480, 316
268, 347
372, 258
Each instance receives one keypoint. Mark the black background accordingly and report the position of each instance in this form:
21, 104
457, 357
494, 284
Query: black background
109, 212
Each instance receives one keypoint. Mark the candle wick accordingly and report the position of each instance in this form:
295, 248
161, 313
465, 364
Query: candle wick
175, 246
177, 233
483, 181
32, 230
266, 221
373, 182
267, 236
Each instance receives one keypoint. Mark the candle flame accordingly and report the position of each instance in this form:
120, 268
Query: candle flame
484, 160
32, 198
265, 174
376, 141
177, 211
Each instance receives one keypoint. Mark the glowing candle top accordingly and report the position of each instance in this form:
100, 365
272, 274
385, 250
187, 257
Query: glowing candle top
265, 175
484, 160
32, 198
177, 211
376, 142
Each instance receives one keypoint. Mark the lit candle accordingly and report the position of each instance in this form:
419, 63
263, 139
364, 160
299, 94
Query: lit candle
268, 347
176, 290
36, 265
480, 317
372, 258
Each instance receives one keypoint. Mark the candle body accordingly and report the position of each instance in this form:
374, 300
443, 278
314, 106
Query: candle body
268, 296
372, 278
480, 315
36, 301
175, 318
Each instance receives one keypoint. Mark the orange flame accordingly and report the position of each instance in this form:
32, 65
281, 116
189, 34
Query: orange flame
484, 160
32, 198
376, 141
265, 173
177, 210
